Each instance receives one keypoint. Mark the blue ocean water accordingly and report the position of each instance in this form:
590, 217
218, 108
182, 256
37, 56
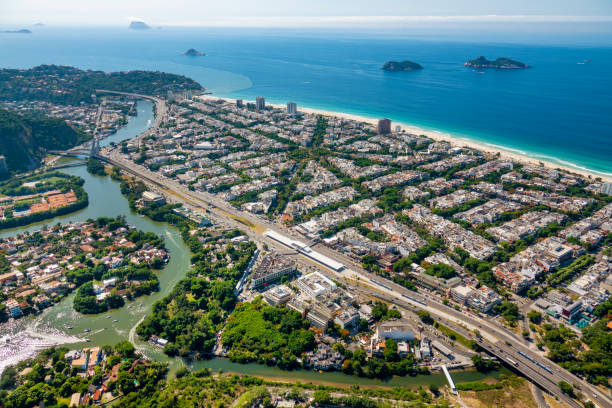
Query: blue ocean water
559, 110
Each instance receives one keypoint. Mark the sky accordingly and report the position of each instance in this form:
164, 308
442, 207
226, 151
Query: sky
298, 13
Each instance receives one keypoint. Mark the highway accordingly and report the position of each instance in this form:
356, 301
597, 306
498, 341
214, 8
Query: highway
495, 339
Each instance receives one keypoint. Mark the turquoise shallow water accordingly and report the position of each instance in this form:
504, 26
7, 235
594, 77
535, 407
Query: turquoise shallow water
559, 110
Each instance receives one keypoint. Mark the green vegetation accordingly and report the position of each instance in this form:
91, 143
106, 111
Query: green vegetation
132, 189
142, 384
380, 311
594, 361
70, 86
484, 365
478, 386
190, 316
604, 308
25, 139
441, 270
52, 380
401, 66
508, 310
453, 335
500, 63
131, 282
463, 207
44, 183
271, 335
534, 317
567, 388
425, 317
94, 166
481, 269
391, 363
563, 274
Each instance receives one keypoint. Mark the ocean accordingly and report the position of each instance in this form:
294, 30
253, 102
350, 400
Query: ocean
560, 110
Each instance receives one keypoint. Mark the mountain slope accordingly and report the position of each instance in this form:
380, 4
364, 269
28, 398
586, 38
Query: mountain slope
25, 139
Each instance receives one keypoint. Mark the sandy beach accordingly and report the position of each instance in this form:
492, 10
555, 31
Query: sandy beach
441, 136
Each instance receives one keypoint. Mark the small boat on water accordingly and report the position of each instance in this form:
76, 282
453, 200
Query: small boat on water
115, 320
87, 330
69, 327
108, 316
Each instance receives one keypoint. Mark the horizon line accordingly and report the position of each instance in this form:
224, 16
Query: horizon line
344, 21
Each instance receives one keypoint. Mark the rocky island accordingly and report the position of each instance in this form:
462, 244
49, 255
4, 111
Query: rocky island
396, 66
192, 52
500, 63
139, 25
22, 31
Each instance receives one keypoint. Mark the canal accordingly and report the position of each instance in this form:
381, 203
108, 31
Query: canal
25, 337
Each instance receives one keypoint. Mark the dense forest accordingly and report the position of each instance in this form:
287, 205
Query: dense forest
66, 85
194, 311
24, 139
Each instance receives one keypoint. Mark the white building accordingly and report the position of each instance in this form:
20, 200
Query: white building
316, 284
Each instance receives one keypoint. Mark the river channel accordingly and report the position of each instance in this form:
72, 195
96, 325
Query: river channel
25, 337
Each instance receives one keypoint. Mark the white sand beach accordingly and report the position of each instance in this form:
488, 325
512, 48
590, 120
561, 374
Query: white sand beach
453, 140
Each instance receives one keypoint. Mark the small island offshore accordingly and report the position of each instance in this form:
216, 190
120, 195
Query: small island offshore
396, 66
500, 63
192, 52
139, 25
22, 31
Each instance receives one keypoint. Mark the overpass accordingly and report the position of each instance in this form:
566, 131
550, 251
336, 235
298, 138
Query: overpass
497, 341
398, 296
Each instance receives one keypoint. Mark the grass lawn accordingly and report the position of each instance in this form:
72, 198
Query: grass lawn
515, 393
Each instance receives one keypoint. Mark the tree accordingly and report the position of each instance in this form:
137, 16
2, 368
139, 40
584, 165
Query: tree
368, 259
379, 311
566, 388
390, 352
301, 341
483, 365
125, 349
508, 310
8, 378
322, 397
94, 166
441, 270
394, 314
425, 317
363, 325
157, 263
434, 389
535, 317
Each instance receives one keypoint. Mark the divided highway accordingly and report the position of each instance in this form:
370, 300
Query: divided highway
493, 338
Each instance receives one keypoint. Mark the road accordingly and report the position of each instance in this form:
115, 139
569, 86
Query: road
495, 339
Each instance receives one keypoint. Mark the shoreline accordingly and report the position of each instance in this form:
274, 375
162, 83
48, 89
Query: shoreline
447, 137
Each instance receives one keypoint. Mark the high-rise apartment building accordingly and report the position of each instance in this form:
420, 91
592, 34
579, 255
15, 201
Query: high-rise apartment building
291, 108
384, 126
260, 102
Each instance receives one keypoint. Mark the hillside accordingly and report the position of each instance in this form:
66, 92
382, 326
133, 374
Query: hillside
65, 85
24, 139
500, 63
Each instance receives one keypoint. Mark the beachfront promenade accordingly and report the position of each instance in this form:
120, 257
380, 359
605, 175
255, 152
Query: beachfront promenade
494, 338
